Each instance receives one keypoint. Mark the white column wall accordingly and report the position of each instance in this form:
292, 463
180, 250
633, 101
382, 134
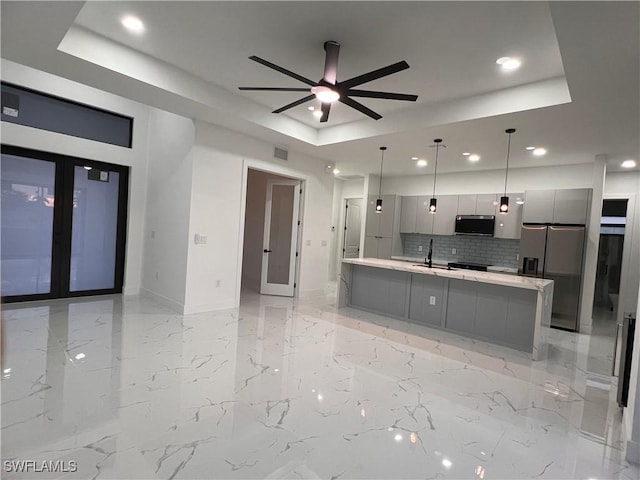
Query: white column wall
214, 269
135, 157
168, 203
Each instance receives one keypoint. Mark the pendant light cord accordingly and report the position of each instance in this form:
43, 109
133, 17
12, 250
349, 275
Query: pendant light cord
382, 149
435, 171
506, 173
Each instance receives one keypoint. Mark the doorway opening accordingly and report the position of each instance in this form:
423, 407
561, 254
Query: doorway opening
63, 225
607, 285
271, 233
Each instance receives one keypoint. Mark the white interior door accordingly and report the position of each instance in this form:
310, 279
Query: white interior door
352, 225
280, 237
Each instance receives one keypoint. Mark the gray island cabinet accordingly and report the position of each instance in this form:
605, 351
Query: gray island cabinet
508, 310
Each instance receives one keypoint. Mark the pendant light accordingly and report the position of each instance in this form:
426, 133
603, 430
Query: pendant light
433, 203
504, 200
379, 200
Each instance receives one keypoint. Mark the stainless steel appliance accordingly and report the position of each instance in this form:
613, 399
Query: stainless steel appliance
555, 252
475, 225
480, 267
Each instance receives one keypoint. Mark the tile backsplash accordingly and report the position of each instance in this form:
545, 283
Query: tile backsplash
488, 250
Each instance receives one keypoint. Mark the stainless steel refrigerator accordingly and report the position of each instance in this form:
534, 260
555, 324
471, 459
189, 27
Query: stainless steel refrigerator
556, 252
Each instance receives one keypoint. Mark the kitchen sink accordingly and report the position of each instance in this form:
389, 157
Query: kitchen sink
436, 267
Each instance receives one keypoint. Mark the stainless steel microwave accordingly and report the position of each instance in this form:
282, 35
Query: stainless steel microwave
475, 225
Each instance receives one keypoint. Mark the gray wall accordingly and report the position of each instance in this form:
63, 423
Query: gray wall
489, 250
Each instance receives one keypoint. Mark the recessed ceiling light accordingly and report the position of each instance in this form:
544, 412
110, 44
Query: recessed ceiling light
87, 167
133, 24
538, 152
447, 463
530, 148
317, 113
414, 158
421, 163
509, 63
398, 438
311, 107
628, 164
336, 171
474, 158
466, 154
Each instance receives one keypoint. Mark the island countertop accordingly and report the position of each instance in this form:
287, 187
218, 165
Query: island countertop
470, 275
508, 310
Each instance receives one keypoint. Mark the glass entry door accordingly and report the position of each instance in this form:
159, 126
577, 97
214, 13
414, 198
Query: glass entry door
63, 225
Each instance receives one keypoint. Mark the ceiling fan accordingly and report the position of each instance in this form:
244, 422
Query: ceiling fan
329, 90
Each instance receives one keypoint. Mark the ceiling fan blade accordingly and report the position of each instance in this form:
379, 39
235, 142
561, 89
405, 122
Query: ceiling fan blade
283, 70
294, 104
374, 75
274, 89
326, 108
385, 95
332, 50
361, 108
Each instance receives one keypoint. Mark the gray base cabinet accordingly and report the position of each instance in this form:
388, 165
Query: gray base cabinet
495, 313
428, 296
383, 291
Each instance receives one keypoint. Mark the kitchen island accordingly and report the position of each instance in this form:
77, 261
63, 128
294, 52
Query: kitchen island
508, 310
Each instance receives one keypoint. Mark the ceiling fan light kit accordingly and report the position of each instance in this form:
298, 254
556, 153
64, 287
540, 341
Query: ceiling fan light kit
328, 90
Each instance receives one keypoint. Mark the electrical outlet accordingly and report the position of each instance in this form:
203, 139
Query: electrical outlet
156, 275
420, 248
517, 256
217, 283
153, 234
308, 243
324, 243
432, 300
454, 251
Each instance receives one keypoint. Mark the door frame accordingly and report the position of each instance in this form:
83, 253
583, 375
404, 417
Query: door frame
280, 289
62, 223
268, 167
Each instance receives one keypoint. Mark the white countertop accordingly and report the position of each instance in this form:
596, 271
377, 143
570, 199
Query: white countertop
490, 268
470, 275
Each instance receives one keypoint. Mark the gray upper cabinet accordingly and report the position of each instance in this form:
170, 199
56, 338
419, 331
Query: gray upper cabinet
467, 204
481, 204
380, 224
510, 225
486, 204
557, 206
444, 220
424, 219
538, 207
408, 214
570, 206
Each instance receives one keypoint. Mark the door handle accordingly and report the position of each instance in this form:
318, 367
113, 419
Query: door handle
267, 251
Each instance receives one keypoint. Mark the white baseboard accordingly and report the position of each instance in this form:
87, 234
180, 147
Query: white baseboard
314, 292
166, 301
131, 291
209, 307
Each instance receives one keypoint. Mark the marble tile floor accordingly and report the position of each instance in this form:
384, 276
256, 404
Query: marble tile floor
123, 388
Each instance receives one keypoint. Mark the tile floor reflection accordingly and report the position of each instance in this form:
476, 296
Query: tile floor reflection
284, 388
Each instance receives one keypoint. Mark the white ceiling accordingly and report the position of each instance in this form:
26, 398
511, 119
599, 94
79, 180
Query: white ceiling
576, 94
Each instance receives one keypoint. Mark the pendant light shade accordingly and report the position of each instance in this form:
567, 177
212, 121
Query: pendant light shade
379, 200
504, 204
433, 203
504, 200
